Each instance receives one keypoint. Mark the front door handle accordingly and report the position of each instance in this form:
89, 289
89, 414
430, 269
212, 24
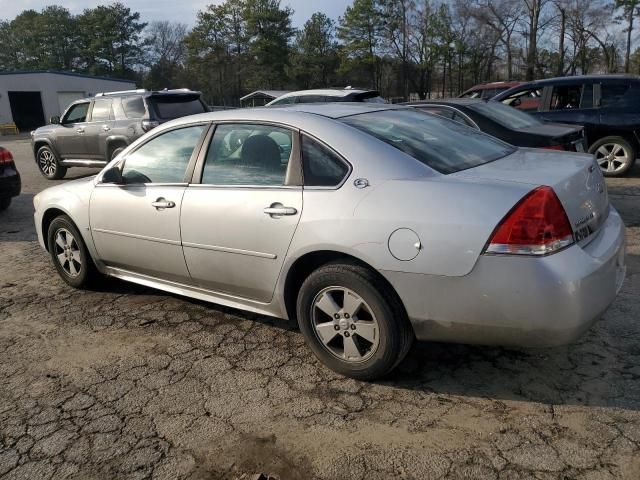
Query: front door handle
162, 203
277, 210
106, 128
80, 130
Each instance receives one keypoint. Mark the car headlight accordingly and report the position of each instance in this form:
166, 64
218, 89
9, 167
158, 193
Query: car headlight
36, 201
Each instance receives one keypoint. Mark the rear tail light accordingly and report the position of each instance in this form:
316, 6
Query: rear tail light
555, 147
5, 156
149, 124
537, 225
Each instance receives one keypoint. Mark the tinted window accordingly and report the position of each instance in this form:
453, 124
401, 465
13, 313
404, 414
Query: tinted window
442, 144
175, 106
248, 155
612, 92
315, 99
489, 92
102, 110
77, 113
133, 107
587, 96
321, 167
443, 112
284, 101
506, 116
472, 94
164, 158
376, 99
457, 117
526, 100
565, 97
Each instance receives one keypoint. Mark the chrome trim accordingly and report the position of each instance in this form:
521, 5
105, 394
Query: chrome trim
238, 251
139, 237
141, 185
252, 187
71, 162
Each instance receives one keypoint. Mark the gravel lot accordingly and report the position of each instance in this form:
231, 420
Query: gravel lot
127, 382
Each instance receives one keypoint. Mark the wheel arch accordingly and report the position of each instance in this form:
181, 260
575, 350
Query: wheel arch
307, 263
42, 142
49, 216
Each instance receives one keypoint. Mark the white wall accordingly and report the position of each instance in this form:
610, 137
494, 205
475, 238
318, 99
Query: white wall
50, 85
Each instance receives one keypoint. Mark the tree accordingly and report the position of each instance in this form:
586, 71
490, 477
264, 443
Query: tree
630, 8
165, 54
315, 53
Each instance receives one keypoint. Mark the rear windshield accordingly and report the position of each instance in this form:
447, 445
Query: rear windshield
440, 143
508, 117
174, 106
369, 97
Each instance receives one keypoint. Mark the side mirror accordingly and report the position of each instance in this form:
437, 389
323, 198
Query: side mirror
112, 175
55, 120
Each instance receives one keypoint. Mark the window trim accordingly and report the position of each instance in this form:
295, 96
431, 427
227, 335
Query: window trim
332, 150
190, 165
292, 180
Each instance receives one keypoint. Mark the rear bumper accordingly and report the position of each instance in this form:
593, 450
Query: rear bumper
519, 301
10, 183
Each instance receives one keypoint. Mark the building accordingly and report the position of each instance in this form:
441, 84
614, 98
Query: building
30, 98
261, 97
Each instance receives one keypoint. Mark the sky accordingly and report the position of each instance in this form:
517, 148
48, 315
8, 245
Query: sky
183, 11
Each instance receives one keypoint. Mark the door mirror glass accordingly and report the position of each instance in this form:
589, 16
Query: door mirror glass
112, 175
55, 120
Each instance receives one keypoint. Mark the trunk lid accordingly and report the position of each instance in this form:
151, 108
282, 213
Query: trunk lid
576, 179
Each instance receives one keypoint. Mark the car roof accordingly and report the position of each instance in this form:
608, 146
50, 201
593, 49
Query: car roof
328, 92
448, 101
572, 79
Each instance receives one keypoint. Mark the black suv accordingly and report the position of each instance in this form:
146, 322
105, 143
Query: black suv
93, 131
607, 105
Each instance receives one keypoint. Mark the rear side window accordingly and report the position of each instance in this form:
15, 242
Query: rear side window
102, 110
613, 92
174, 106
444, 145
565, 97
321, 167
314, 99
133, 107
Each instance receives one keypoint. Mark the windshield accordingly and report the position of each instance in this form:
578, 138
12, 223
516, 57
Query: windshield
440, 143
506, 116
174, 106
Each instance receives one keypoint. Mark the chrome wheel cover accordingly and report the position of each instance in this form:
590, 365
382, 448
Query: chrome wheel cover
67, 252
612, 157
345, 324
47, 163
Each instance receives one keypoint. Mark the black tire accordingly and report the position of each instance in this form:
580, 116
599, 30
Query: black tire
615, 155
49, 164
395, 334
116, 152
4, 203
83, 264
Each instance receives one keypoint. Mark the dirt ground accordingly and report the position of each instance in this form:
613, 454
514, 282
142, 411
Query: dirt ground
130, 383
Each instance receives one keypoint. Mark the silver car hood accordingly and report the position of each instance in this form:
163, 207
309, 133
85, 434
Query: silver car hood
576, 179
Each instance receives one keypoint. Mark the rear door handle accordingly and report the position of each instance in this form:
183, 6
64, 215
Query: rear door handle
162, 203
80, 130
277, 210
106, 128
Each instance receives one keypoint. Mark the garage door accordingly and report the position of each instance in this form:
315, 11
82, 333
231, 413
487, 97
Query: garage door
65, 98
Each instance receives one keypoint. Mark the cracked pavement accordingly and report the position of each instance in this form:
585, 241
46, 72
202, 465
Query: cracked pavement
131, 383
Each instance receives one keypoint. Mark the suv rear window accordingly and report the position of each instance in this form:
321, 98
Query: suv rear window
175, 106
442, 144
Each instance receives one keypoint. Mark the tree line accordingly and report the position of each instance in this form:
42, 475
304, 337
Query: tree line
422, 48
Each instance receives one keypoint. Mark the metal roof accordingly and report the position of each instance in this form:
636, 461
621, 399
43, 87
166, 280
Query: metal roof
69, 74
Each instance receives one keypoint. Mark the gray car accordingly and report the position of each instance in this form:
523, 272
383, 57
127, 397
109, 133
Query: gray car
368, 225
92, 131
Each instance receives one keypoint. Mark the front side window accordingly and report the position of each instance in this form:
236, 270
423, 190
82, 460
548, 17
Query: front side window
164, 158
102, 110
77, 113
247, 154
321, 167
444, 145
527, 100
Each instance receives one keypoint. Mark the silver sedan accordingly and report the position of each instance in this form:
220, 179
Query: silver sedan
367, 225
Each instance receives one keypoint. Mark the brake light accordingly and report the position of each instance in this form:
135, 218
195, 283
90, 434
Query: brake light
555, 147
5, 156
536, 225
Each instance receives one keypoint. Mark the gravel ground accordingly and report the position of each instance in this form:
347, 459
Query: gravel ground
130, 383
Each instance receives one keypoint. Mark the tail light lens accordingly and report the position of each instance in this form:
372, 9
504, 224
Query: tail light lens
149, 124
5, 156
555, 147
537, 225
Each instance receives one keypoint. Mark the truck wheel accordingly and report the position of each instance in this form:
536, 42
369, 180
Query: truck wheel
49, 164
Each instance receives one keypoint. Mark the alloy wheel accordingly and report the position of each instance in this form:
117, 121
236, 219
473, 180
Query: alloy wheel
47, 163
67, 252
345, 324
612, 157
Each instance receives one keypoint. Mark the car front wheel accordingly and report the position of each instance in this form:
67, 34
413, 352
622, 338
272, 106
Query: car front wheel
49, 164
353, 322
615, 155
69, 253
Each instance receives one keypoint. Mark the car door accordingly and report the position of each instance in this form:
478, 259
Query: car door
240, 214
570, 103
136, 224
70, 137
99, 127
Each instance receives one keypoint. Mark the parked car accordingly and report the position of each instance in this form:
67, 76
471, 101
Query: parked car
10, 183
506, 123
607, 106
92, 131
329, 95
368, 225
488, 90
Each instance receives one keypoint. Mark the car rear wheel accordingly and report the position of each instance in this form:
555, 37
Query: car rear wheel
353, 322
615, 155
69, 253
4, 203
49, 164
